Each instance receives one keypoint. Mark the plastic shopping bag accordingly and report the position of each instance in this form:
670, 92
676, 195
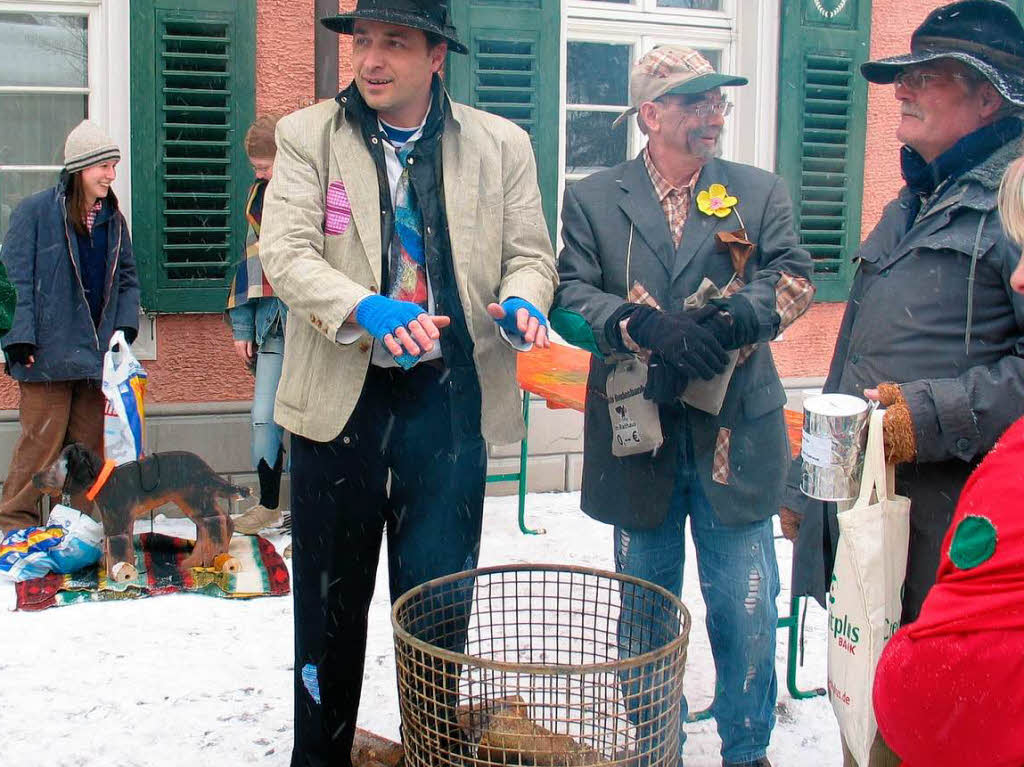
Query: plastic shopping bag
69, 542
124, 386
865, 597
82, 544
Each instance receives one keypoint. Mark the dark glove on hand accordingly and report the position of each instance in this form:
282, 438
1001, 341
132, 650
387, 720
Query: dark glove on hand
734, 323
664, 382
612, 331
18, 354
130, 334
680, 339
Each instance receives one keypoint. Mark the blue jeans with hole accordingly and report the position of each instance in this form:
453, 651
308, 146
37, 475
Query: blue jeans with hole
267, 435
739, 579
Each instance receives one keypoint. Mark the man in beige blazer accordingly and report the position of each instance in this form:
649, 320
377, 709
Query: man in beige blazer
405, 233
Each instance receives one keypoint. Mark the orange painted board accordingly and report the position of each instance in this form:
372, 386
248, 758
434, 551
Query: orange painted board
795, 428
557, 374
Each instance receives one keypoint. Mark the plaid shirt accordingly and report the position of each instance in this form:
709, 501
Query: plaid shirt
675, 201
90, 216
792, 294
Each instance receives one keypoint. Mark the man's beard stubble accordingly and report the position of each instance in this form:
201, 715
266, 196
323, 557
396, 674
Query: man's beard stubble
697, 147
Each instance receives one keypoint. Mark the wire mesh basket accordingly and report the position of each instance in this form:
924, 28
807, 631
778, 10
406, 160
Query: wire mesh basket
542, 665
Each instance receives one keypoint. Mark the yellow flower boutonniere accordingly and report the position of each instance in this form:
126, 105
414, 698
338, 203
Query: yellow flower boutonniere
716, 201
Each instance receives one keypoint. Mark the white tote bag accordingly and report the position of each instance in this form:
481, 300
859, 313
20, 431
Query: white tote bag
124, 386
865, 597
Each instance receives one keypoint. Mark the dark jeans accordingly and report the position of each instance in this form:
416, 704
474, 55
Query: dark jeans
421, 428
739, 580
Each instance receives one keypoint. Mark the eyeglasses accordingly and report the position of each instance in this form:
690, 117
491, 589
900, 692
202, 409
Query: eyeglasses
707, 109
702, 109
916, 80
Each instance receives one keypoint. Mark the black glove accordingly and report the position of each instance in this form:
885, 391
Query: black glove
664, 382
680, 339
612, 331
129, 334
18, 354
734, 322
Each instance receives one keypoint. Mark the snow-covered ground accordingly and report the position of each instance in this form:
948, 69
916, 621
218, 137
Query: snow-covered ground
190, 680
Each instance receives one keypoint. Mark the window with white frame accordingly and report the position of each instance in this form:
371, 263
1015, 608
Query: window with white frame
44, 93
597, 91
60, 62
603, 38
692, 5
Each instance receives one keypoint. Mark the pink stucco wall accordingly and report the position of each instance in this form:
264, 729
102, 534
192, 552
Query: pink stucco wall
284, 55
345, 47
892, 22
196, 361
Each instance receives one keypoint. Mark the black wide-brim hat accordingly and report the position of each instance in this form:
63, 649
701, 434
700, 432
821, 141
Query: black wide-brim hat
428, 15
983, 34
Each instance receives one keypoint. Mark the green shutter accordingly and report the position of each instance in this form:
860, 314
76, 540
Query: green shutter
192, 97
822, 122
512, 70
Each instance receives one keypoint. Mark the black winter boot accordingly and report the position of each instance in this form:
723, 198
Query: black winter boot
270, 481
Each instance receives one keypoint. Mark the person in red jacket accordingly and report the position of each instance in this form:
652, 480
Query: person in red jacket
949, 688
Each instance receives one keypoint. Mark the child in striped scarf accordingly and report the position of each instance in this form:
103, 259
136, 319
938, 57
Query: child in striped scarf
257, 319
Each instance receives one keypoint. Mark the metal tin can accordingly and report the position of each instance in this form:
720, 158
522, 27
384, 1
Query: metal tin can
834, 436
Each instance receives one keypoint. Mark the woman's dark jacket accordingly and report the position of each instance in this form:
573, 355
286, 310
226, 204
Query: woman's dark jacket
42, 257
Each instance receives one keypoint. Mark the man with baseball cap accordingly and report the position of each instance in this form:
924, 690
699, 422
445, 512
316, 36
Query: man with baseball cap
933, 328
405, 233
690, 264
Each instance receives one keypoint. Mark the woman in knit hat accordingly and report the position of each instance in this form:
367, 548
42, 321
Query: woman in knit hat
69, 256
257, 319
949, 688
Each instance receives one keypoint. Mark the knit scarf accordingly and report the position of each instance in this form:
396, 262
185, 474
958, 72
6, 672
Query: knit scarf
924, 178
249, 281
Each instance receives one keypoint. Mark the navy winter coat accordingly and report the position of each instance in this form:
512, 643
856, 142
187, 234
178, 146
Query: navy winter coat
931, 308
40, 252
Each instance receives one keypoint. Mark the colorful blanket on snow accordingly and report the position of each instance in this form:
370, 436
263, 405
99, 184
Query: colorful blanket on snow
159, 557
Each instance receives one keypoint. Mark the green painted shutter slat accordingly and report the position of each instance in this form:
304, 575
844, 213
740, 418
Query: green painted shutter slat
193, 88
822, 123
507, 41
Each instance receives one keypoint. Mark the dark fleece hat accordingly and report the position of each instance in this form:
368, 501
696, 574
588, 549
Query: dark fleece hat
428, 15
983, 34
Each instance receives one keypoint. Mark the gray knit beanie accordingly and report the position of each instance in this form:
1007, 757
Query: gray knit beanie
88, 145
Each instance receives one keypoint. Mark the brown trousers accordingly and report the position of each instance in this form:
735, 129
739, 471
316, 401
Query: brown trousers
52, 415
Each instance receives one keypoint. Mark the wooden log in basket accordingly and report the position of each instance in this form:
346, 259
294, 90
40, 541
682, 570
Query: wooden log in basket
372, 750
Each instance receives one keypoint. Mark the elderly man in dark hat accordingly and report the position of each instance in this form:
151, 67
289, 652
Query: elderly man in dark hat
405, 233
646, 243
932, 328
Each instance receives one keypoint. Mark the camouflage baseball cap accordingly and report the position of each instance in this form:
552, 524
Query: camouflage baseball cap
672, 69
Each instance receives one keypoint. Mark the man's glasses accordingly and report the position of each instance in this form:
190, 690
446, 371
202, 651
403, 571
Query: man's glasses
702, 109
916, 80
711, 108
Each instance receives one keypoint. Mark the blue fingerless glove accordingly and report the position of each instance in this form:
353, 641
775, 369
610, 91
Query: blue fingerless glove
382, 316
511, 307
